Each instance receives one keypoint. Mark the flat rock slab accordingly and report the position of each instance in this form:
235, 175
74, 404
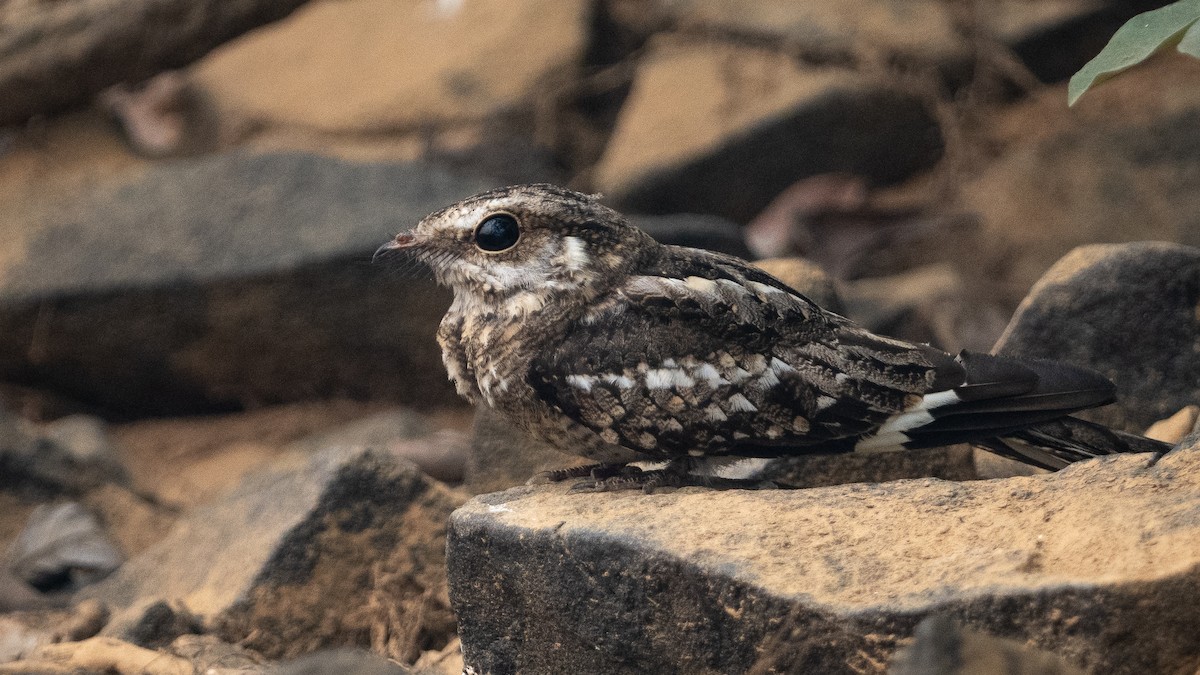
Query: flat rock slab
316, 552
222, 282
1099, 563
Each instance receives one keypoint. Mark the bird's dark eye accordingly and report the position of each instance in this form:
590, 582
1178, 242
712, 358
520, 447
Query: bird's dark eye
497, 233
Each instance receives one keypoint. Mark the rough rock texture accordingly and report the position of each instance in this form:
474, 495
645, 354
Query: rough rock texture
1132, 312
1095, 563
703, 125
343, 550
223, 281
388, 65
54, 55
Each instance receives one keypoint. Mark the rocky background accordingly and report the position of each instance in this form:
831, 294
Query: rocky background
226, 439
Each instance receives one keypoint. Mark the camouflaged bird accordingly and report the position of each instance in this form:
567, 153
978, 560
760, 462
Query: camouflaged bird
599, 340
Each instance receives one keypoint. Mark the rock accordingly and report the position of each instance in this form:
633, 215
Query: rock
377, 430
225, 281
23, 633
695, 230
62, 548
101, 654
1054, 39
1129, 311
942, 647
1176, 427
1118, 167
344, 548
209, 654
134, 521
870, 30
1089, 562
160, 623
69, 457
722, 129
404, 433
53, 58
805, 277
84, 441
379, 65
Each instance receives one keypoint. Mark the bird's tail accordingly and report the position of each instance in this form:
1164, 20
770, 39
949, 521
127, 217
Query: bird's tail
1057, 443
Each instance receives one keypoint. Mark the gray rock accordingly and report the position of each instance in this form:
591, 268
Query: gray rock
1093, 563
71, 456
62, 547
226, 280
350, 533
1128, 310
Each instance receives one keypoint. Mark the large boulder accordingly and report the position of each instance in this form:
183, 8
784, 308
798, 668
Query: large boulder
225, 281
1098, 563
1130, 311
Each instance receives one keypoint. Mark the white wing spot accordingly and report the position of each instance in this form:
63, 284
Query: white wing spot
621, 381
709, 375
763, 289
715, 414
581, 382
666, 378
737, 402
701, 285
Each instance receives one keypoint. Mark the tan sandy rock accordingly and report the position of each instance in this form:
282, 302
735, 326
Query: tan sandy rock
372, 65
1093, 563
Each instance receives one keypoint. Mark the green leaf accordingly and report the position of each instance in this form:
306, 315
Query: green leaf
1140, 37
1190, 43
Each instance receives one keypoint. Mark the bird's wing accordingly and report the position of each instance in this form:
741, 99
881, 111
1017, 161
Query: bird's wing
703, 354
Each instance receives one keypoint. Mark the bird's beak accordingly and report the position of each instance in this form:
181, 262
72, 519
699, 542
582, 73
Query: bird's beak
402, 241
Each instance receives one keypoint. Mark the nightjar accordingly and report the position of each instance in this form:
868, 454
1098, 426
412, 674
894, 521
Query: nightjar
595, 338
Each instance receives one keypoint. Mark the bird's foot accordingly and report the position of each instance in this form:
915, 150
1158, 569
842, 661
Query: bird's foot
674, 475
595, 472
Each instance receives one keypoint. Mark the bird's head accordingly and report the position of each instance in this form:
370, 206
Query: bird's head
525, 237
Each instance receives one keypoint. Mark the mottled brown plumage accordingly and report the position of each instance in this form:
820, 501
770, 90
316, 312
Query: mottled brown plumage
599, 340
